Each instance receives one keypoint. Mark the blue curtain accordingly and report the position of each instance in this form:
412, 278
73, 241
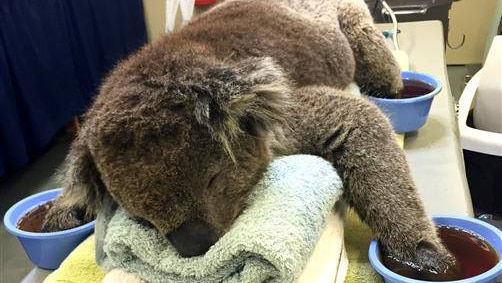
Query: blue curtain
53, 56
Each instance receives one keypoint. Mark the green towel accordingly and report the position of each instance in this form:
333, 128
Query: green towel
270, 241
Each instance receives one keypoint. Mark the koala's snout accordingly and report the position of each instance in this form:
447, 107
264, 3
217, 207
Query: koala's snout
192, 238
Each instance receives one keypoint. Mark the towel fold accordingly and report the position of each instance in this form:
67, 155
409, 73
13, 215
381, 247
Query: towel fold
270, 241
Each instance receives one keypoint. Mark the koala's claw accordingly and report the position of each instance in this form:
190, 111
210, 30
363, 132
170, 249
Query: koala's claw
429, 262
382, 91
433, 257
62, 218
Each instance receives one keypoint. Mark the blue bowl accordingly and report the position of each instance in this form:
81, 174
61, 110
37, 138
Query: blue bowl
45, 250
486, 231
409, 114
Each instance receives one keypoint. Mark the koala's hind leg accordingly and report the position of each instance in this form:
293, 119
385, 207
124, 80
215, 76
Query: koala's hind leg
82, 191
377, 72
355, 136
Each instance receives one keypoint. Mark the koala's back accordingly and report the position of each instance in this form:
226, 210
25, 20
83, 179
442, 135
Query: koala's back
311, 52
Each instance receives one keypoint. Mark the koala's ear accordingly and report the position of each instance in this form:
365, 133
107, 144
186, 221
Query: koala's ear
248, 96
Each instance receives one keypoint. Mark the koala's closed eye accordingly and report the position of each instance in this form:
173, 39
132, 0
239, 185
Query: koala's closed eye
251, 126
177, 107
212, 181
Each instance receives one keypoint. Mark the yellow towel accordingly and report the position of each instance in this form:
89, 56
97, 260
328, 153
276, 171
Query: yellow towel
79, 267
357, 241
400, 139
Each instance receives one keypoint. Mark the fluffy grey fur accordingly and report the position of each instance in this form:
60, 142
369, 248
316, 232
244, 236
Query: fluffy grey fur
184, 128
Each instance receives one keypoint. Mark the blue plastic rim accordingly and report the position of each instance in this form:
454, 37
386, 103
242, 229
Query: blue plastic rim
409, 114
486, 231
46, 250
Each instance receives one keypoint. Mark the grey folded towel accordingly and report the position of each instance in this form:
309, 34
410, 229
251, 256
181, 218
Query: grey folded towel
270, 241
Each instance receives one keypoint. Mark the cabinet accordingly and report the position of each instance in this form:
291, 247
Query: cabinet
473, 23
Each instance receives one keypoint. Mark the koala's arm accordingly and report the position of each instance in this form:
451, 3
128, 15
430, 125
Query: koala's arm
82, 190
376, 68
355, 136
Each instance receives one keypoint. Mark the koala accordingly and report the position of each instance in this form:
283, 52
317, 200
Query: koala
183, 129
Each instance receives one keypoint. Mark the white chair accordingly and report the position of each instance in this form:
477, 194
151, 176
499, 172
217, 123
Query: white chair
480, 128
482, 97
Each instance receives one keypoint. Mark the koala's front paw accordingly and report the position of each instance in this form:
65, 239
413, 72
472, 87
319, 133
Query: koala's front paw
390, 88
437, 261
60, 218
430, 261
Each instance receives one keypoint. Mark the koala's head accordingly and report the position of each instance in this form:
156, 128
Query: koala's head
186, 141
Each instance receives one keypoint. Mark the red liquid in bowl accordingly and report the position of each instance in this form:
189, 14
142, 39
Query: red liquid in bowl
415, 88
33, 220
473, 254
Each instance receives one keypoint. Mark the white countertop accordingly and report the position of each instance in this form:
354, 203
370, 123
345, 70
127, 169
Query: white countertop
434, 151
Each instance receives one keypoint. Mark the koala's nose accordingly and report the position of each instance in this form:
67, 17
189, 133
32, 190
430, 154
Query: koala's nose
192, 238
